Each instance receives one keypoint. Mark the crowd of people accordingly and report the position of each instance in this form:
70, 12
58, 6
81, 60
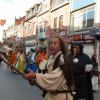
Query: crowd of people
63, 75
25, 62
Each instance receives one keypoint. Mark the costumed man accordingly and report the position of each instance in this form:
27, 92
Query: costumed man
57, 81
82, 67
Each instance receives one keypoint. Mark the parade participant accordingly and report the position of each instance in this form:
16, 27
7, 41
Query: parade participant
43, 60
81, 66
9, 57
57, 81
14, 57
20, 63
33, 65
27, 64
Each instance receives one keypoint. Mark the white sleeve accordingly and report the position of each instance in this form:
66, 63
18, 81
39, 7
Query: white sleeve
88, 67
33, 58
50, 81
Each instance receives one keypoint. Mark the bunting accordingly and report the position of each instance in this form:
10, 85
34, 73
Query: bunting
2, 22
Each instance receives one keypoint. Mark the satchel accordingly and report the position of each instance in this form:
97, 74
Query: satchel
42, 64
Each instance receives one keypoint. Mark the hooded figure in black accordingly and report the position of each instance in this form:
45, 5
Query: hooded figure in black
82, 67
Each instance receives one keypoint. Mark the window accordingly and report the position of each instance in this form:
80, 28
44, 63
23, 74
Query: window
24, 33
78, 22
90, 18
83, 20
77, 4
55, 23
45, 26
30, 29
56, 3
61, 21
41, 28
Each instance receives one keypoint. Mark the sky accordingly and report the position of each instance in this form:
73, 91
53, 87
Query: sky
11, 8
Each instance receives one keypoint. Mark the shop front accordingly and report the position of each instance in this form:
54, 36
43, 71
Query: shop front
86, 38
30, 42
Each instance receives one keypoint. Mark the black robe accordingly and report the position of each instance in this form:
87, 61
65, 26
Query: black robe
82, 79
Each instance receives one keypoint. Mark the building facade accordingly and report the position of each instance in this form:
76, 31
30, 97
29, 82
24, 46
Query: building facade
52, 17
73, 20
84, 22
30, 27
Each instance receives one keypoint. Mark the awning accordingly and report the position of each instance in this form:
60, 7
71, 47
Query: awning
90, 31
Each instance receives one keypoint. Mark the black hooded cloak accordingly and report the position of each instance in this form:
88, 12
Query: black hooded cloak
82, 79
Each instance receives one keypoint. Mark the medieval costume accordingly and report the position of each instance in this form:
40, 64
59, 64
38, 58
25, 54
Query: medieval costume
57, 79
20, 63
81, 66
33, 65
53, 81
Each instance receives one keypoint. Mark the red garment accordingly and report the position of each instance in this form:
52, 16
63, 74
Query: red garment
13, 57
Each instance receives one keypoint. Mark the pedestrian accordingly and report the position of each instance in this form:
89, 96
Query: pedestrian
95, 65
57, 80
81, 66
95, 73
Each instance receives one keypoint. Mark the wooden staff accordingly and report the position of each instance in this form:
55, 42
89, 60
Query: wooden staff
7, 62
32, 81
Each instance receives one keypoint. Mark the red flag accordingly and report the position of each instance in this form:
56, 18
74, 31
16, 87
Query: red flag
2, 22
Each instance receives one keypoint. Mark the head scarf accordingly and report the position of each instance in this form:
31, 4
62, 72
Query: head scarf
77, 44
